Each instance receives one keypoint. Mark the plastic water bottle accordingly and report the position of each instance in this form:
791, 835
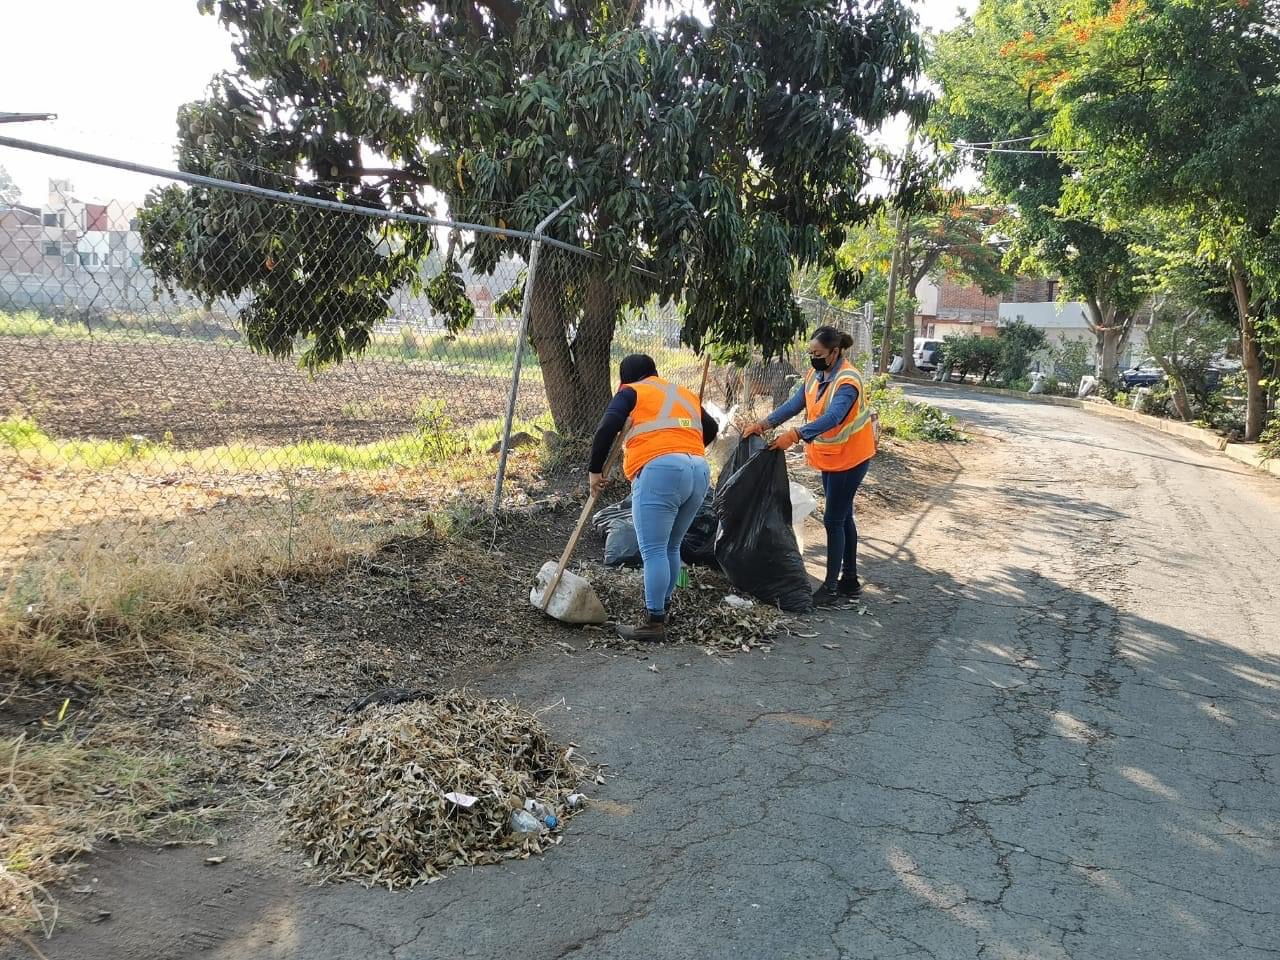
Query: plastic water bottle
522, 821
683, 579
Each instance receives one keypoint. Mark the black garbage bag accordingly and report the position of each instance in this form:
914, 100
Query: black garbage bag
606, 517
699, 544
622, 546
756, 546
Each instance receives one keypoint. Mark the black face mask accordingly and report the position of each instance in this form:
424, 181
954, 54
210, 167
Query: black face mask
820, 363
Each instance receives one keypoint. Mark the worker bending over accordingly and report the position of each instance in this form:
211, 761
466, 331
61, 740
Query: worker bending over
664, 458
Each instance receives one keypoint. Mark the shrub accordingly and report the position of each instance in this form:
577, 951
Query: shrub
1072, 359
1015, 344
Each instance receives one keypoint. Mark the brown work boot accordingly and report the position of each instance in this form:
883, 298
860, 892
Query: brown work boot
651, 630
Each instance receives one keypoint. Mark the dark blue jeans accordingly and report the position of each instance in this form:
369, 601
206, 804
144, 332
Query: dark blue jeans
837, 517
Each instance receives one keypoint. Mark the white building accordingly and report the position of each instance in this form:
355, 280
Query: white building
1069, 321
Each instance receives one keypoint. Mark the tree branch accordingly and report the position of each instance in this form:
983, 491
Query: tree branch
389, 173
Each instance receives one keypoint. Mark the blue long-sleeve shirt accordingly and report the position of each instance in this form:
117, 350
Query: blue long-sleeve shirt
841, 404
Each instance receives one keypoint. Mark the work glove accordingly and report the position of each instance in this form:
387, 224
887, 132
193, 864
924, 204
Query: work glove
785, 440
757, 428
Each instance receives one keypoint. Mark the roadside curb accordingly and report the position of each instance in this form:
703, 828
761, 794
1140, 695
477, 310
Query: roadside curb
1246, 453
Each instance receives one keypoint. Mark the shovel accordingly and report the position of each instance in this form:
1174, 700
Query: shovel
569, 547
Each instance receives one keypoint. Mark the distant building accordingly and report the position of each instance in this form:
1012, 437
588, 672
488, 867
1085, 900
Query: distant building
21, 240
952, 307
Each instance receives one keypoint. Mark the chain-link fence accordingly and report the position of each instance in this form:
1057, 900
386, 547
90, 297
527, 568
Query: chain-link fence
169, 384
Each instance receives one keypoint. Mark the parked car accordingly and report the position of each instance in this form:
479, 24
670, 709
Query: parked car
1146, 374
927, 353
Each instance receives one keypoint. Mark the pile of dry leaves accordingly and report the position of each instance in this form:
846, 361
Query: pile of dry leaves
700, 613
400, 794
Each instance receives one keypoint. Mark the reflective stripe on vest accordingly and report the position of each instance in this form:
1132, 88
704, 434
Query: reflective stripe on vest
664, 420
850, 376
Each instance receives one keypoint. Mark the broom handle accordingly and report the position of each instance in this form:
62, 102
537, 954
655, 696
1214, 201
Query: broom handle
582, 522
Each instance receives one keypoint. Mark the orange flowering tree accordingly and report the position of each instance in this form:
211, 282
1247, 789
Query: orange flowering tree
1174, 109
996, 70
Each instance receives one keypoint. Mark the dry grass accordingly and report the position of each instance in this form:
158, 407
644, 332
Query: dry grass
63, 795
117, 595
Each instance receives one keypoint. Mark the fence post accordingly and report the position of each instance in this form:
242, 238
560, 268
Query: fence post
535, 250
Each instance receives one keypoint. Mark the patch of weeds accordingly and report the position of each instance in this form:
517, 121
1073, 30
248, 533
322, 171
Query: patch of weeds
65, 794
906, 419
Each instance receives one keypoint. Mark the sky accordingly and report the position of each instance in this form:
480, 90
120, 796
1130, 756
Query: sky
116, 88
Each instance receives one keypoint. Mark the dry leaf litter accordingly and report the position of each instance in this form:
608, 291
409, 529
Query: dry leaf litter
700, 614
402, 793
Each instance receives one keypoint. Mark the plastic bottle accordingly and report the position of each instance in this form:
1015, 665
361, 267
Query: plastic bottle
538, 808
522, 821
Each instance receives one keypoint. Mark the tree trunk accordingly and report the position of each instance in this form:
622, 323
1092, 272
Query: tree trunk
575, 372
886, 340
1111, 330
1250, 356
909, 350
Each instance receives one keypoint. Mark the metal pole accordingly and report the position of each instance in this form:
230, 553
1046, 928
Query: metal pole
526, 307
266, 193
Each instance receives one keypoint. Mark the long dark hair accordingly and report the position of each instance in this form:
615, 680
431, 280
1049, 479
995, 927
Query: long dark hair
831, 338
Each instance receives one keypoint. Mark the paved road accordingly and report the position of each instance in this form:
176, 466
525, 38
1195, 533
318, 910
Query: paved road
1061, 743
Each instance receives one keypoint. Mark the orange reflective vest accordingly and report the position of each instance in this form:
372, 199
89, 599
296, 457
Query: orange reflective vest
850, 442
667, 419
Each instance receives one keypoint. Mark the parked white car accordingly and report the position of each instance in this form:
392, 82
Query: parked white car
927, 353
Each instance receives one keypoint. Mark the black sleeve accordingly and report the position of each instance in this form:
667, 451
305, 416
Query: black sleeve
611, 424
709, 428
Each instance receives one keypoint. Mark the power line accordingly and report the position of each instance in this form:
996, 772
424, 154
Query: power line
1036, 153
992, 143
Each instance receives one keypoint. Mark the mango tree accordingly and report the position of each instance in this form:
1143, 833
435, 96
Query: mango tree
717, 154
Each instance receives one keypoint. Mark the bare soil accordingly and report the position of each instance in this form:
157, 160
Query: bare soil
200, 394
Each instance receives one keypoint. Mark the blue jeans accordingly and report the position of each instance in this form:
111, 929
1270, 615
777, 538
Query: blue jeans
665, 498
837, 517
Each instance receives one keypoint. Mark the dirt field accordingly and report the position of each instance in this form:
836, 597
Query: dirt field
203, 394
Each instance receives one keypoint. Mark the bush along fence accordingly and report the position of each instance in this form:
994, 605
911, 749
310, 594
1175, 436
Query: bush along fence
222, 368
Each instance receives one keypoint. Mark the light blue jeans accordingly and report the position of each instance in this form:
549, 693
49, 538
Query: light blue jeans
665, 498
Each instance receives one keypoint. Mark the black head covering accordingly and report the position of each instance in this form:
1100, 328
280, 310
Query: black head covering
635, 367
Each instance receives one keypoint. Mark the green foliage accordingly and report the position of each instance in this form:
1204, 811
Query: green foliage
715, 155
1073, 358
434, 439
1270, 440
1185, 340
1018, 342
1173, 107
992, 93
971, 355
1224, 409
908, 420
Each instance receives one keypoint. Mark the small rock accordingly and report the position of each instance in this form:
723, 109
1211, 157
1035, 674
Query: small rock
520, 439
214, 861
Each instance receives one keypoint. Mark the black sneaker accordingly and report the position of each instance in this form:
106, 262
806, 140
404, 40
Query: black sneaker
825, 596
849, 587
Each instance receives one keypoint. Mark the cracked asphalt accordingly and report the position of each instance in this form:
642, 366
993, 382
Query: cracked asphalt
1060, 742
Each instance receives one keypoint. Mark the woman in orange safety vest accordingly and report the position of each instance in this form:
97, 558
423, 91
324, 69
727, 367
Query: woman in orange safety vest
663, 456
839, 440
